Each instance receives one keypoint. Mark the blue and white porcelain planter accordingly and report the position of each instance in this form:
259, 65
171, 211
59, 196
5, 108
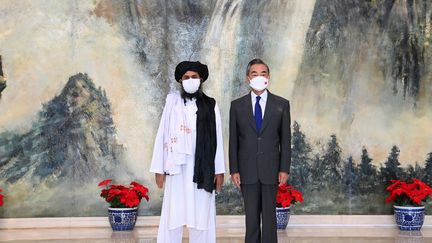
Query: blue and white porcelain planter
409, 218
282, 217
122, 219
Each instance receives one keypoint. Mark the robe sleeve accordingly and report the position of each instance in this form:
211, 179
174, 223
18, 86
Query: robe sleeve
219, 158
157, 163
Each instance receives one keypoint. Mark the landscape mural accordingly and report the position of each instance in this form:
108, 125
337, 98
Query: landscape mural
87, 81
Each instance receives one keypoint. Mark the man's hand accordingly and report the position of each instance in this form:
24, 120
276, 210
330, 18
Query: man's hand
218, 180
160, 180
283, 177
235, 177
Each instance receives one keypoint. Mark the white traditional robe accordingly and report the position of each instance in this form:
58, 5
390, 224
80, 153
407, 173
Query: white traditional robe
184, 204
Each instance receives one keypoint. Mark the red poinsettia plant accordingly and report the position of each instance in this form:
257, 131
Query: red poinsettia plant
287, 195
119, 196
408, 194
1, 198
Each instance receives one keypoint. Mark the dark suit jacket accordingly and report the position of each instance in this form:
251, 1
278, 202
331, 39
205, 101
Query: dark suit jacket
260, 156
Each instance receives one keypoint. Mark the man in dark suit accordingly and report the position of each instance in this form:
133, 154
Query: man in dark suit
259, 151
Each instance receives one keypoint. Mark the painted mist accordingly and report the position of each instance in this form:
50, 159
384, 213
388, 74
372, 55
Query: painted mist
87, 80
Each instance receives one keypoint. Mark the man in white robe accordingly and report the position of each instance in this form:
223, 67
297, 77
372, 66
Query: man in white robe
191, 171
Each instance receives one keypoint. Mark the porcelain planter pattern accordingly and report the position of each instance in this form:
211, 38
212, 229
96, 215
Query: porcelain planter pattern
122, 219
409, 218
282, 217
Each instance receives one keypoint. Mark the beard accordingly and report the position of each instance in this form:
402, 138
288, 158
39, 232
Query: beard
196, 95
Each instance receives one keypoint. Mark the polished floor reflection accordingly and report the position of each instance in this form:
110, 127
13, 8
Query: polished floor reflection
225, 235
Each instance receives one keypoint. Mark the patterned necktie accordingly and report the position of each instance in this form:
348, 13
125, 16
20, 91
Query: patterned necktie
258, 114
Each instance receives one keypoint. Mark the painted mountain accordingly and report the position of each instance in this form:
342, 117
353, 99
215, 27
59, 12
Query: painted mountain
358, 75
2, 78
70, 146
361, 101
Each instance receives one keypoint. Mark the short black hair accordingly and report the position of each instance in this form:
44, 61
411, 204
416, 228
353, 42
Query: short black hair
256, 61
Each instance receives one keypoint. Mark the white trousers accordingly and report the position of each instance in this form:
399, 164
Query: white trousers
195, 236
186, 205
201, 223
165, 235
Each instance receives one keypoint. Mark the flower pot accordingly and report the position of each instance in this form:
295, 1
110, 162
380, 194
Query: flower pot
282, 217
409, 218
122, 219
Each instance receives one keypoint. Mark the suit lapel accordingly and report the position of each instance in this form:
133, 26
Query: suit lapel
268, 111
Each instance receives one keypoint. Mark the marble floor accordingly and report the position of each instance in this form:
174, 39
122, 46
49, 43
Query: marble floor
225, 235
230, 229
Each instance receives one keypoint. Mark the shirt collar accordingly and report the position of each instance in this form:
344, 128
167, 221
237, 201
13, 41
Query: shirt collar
263, 96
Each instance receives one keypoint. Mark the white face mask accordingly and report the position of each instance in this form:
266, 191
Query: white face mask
259, 83
191, 85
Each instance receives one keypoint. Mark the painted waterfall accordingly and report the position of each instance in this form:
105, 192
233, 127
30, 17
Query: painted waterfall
86, 83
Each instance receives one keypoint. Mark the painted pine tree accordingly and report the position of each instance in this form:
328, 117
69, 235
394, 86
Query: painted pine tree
427, 177
332, 166
367, 173
350, 178
300, 159
415, 171
392, 168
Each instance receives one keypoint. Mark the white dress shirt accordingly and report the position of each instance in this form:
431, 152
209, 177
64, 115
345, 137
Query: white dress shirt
262, 101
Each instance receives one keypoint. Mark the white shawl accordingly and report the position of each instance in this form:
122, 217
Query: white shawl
174, 138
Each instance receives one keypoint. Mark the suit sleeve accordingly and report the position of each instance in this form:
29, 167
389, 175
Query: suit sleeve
233, 141
285, 145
